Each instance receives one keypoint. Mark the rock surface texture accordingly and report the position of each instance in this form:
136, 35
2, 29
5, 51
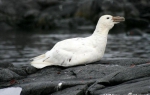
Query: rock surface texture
53, 14
118, 76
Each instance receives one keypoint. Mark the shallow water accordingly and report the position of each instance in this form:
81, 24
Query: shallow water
18, 48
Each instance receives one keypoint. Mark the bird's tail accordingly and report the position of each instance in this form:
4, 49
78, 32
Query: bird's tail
40, 61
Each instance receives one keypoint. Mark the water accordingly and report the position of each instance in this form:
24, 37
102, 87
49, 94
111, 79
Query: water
19, 47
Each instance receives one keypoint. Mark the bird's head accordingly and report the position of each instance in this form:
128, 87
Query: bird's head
108, 21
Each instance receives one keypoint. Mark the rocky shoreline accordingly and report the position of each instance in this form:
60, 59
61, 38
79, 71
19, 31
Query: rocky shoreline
118, 76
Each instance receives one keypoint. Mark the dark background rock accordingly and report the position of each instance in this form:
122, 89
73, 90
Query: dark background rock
134, 32
49, 14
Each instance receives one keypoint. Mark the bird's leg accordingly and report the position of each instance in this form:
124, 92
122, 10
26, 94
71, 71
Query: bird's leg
45, 59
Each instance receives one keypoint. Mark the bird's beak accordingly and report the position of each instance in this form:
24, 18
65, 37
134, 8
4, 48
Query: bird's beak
118, 19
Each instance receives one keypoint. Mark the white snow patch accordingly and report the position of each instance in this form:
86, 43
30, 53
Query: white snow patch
11, 91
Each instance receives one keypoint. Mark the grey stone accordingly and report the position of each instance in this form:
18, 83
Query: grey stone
118, 76
7, 75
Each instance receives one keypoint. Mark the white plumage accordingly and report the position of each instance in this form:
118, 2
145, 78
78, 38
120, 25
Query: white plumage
78, 51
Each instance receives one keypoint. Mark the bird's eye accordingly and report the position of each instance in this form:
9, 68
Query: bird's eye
107, 17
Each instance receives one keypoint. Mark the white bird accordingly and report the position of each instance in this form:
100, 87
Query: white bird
77, 51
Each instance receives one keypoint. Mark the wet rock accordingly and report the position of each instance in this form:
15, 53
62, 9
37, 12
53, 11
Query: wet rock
46, 21
131, 10
146, 16
119, 76
65, 23
84, 9
135, 32
7, 75
57, 16
63, 10
68, 9
76, 90
125, 62
30, 69
5, 26
136, 23
47, 3
94, 9
130, 87
72, 23
12, 12
144, 6
147, 31
86, 28
29, 19
6, 65
126, 74
82, 21
101, 7
122, 76
31, 13
18, 71
113, 7
46, 14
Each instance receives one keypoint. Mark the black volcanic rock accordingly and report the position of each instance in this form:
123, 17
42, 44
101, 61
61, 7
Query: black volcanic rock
46, 14
119, 76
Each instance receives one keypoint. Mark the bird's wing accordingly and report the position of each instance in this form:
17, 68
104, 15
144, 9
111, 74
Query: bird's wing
72, 44
68, 50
